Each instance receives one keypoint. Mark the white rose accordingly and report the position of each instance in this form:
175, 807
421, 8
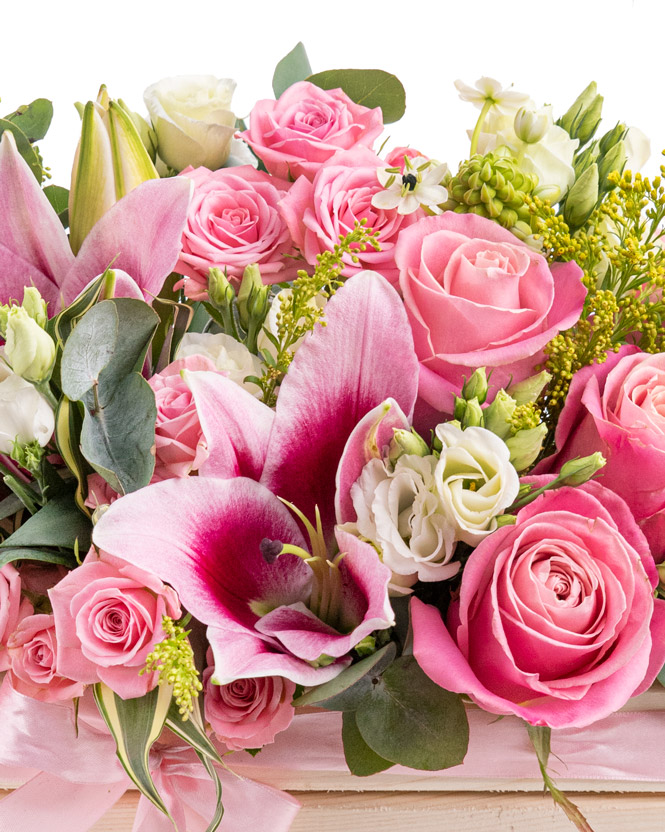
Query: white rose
400, 511
475, 480
228, 355
192, 118
24, 413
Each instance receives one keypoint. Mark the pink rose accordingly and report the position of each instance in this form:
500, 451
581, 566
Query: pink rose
233, 220
618, 408
395, 159
179, 442
478, 297
296, 134
108, 617
12, 608
34, 672
100, 492
556, 620
248, 713
318, 212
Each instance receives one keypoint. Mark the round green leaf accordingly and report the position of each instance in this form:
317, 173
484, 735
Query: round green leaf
369, 87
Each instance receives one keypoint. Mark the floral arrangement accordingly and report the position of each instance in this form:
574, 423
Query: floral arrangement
288, 421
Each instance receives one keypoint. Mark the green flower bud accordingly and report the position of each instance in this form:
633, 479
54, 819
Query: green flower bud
35, 305
579, 471
530, 389
614, 159
460, 407
582, 119
586, 158
145, 131
476, 386
505, 520
252, 295
582, 198
581, 103
525, 446
29, 349
406, 442
497, 415
220, 291
616, 134
530, 126
4, 312
473, 415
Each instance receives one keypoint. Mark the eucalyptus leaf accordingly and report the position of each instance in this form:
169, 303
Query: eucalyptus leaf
369, 87
410, 720
34, 119
292, 68
62, 325
24, 148
351, 686
60, 557
118, 435
360, 758
59, 199
136, 326
135, 725
59, 523
174, 321
89, 349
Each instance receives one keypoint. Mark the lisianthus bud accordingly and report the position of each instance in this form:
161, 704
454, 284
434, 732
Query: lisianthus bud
29, 350
473, 415
252, 296
406, 442
498, 414
582, 119
614, 159
530, 126
579, 471
35, 305
530, 389
476, 386
610, 138
220, 291
582, 198
525, 446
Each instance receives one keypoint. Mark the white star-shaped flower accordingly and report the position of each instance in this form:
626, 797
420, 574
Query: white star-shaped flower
418, 185
489, 89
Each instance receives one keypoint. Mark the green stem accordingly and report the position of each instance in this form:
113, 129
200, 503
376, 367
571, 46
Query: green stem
487, 106
44, 388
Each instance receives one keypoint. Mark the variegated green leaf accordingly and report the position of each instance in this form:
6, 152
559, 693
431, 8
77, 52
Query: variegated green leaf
68, 421
135, 725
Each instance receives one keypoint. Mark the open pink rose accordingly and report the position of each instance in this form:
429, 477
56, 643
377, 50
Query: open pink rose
478, 297
180, 446
395, 159
248, 713
34, 671
556, 620
340, 194
618, 408
12, 608
108, 617
233, 220
294, 135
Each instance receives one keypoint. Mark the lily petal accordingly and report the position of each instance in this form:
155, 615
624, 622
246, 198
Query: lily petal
235, 424
140, 234
33, 244
361, 357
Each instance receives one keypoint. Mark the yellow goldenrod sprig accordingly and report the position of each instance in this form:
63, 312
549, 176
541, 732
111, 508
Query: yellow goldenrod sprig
173, 659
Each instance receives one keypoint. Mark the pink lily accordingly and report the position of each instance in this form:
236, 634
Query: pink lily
230, 548
140, 235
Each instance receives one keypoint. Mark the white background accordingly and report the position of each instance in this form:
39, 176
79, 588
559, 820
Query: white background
548, 48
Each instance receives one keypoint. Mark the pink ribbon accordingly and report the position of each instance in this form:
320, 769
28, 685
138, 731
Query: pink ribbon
77, 779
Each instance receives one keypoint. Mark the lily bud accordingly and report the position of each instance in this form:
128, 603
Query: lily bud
110, 161
530, 126
530, 389
476, 386
220, 291
406, 442
525, 446
35, 305
144, 129
582, 198
579, 471
497, 415
29, 349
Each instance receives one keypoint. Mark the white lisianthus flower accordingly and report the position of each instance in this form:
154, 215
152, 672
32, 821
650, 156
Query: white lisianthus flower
638, 149
400, 512
192, 117
419, 184
490, 90
228, 355
475, 480
550, 158
25, 415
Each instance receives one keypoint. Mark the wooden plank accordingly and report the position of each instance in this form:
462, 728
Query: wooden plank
460, 812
